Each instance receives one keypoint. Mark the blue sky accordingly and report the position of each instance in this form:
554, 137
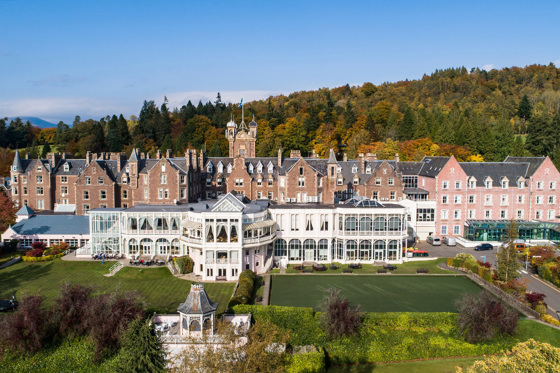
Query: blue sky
59, 59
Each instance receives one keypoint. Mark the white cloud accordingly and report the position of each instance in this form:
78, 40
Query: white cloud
488, 67
557, 63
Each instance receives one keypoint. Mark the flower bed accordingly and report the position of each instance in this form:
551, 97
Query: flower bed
41, 258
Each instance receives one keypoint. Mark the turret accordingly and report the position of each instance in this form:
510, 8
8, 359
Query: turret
332, 164
17, 165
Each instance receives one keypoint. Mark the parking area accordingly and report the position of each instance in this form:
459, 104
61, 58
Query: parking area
445, 251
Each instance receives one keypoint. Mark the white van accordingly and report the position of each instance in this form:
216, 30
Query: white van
449, 241
434, 241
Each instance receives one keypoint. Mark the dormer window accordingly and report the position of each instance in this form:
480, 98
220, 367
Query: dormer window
209, 168
259, 168
270, 168
488, 184
14, 168
338, 169
505, 184
229, 168
356, 180
250, 168
368, 170
354, 169
125, 180
127, 169
66, 167
472, 184
221, 167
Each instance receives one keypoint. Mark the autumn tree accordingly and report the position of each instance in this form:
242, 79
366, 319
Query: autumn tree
339, 319
508, 263
7, 211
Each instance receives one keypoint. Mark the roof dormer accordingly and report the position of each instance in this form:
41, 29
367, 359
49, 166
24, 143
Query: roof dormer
220, 167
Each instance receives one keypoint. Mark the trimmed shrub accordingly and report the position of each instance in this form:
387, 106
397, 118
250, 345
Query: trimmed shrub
245, 288
549, 319
184, 264
41, 258
466, 260
310, 362
450, 262
541, 309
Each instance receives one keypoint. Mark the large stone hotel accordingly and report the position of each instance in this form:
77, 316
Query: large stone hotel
238, 212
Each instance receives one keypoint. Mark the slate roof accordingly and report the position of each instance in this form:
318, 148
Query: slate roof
534, 163
76, 167
496, 170
17, 162
432, 166
197, 302
53, 224
410, 168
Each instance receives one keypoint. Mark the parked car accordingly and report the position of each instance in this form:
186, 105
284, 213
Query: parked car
434, 241
449, 241
484, 246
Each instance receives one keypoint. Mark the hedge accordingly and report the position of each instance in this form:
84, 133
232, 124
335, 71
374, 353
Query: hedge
383, 337
41, 258
245, 288
311, 362
184, 264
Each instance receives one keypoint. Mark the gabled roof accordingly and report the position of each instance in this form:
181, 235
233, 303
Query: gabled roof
534, 163
197, 302
432, 166
332, 157
133, 156
495, 171
53, 224
229, 203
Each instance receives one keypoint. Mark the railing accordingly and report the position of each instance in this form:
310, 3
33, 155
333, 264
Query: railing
115, 268
176, 339
85, 250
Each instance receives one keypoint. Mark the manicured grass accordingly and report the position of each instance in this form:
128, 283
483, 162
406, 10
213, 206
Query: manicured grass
405, 268
427, 366
389, 293
543, 333
161, 291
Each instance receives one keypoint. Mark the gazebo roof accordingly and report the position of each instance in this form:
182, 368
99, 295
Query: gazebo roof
197, 302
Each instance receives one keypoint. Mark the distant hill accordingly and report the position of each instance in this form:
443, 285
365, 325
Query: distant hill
35, 121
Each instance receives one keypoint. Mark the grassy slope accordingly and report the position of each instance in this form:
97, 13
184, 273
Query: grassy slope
375, 293
162, 291
428, 366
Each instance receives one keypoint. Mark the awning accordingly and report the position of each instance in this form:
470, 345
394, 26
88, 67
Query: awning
191, 225
258, 224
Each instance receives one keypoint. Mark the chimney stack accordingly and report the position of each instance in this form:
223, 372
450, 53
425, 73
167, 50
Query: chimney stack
362, 158
344, 157
88, 157
169, 154
188, 158
158, 154
396, 157
295, 154
279, 157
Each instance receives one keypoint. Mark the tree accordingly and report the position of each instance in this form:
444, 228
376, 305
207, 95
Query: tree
338, 319
405, 130
142, 350
216, 151
7, 211
508, 264
70, 310
524, 109
232, 355
483, 317
167, 144
527, 357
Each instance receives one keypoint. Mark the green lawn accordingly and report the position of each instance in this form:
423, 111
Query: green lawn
161, 291
390, 293
405, 268
427, 366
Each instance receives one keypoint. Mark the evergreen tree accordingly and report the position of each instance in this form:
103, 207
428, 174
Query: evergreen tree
524, 109
181, 143
45, 151
167, 144
540, 135
3, 132
142, 350
216, 151
122, 131
34, 153
405, 130
504, 140
62, 133
421, 129
518, 148
349, 115
164, 125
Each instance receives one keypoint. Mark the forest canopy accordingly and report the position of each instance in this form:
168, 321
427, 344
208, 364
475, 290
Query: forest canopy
472, 114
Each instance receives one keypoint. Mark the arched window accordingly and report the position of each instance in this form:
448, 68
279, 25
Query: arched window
393, 250
132, 247
309, 250
394, 224
146, 224
233, 234
222, 233
365, 250
379, 250
210, 234
380, 224
366, 224
161, 224
323, 249
351, 250
351, 224
162, 246
146, 246
295, 250
175, 247
195, 326
280, 248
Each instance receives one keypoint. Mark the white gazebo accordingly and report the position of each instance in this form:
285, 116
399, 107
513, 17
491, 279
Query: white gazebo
198, 312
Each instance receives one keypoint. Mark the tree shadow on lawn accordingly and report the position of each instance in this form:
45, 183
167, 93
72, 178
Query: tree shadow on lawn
12, 280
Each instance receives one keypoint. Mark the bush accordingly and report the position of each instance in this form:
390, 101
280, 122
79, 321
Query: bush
482, 317
185, 264
549, 319
535, 298
245, 288
338, 319
310, 362
528, 357
541, 309
41, 258
450, 262
39, 245
465, 260
35, 253
70, 310
484, 264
